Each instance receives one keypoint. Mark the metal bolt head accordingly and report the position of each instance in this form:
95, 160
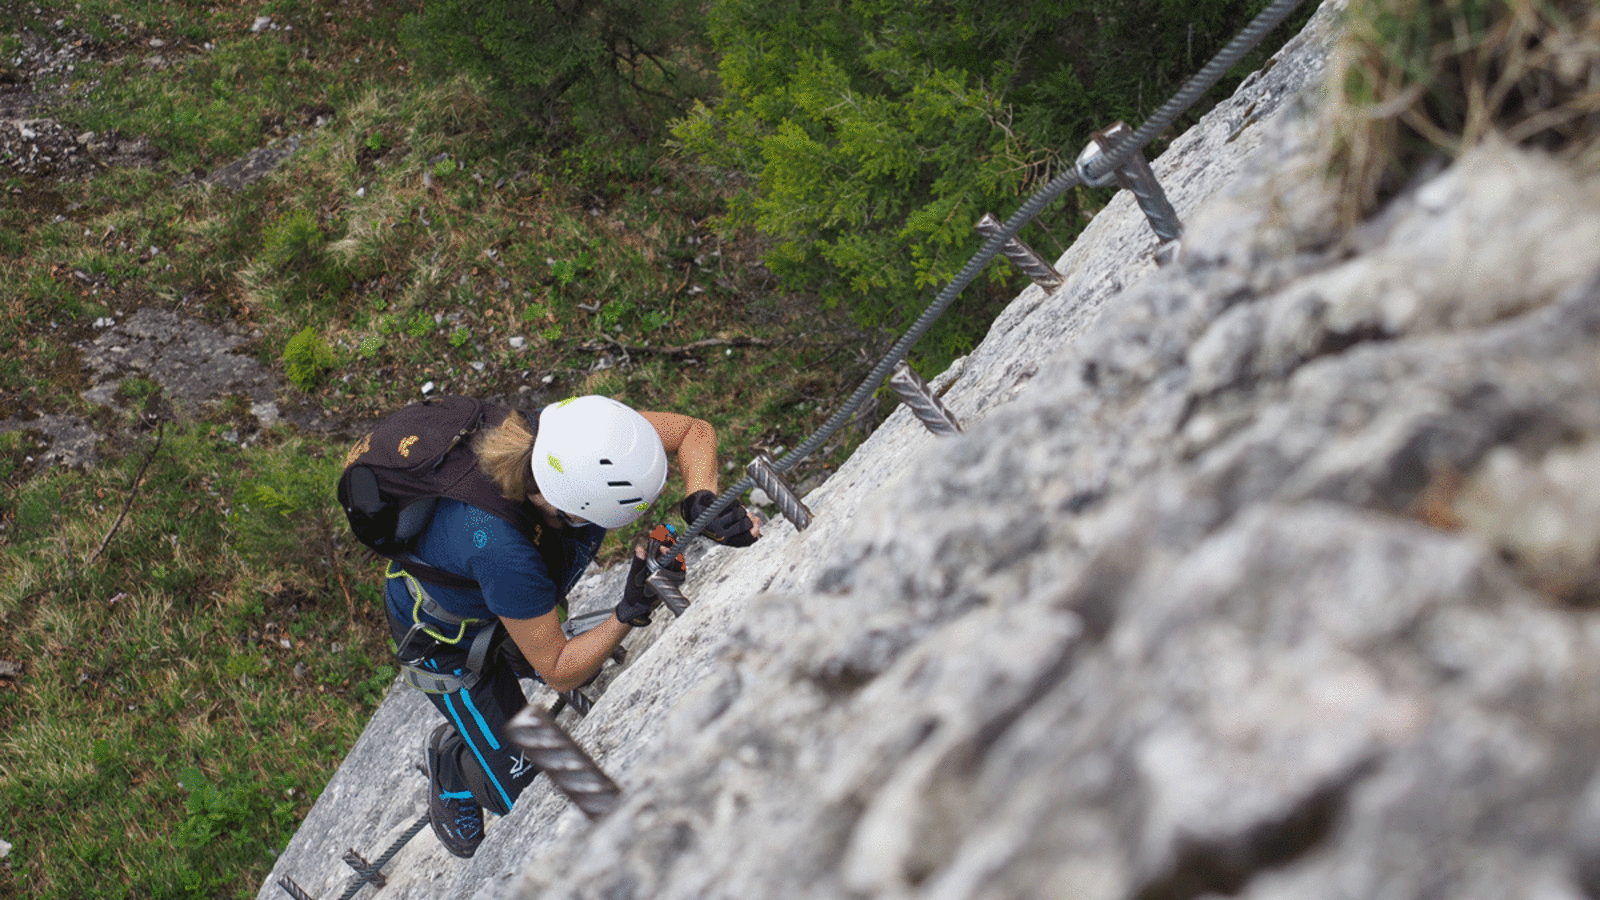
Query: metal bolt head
1089, 155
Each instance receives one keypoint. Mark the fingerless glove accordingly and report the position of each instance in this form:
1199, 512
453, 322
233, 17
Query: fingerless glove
638, 601
731, 526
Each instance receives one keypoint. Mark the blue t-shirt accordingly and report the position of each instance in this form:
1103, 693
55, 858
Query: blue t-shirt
513, 579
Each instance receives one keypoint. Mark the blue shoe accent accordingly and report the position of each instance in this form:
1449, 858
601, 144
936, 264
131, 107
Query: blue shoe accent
456, 818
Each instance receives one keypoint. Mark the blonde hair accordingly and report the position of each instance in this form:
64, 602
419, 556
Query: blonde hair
505, 454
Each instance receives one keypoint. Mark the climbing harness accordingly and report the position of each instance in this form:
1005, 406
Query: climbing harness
429, 681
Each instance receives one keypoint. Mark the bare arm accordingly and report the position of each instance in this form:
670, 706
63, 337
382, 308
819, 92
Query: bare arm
694, 443
564, 664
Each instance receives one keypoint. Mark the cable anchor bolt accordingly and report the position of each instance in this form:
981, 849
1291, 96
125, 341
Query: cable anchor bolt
358, 862
1136, 176
573, 771
764, 472
919, 398
1027, 261
667, 571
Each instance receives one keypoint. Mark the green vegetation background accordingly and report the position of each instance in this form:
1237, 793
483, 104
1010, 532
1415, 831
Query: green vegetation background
728, 212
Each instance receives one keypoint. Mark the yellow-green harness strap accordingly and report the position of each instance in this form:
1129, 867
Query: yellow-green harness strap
423, 603
477, 653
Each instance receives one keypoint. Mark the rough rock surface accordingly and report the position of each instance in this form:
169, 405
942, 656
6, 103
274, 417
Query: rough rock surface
255, 165
192, 361
1268, 574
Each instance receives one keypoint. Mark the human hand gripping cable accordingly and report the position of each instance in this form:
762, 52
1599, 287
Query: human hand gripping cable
648, 585
733, 526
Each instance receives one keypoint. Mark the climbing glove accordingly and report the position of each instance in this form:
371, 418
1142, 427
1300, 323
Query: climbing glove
639, 599
731, 526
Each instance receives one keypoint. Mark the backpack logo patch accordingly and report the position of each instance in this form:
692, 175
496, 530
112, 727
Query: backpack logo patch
358, 451
405, 446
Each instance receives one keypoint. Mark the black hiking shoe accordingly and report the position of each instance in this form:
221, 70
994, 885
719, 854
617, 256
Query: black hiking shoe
456, 818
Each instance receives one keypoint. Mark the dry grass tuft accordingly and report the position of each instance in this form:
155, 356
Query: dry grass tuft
1421, 80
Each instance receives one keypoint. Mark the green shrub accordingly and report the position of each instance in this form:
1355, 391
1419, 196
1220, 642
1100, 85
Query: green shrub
877, 133
296, 250
293, 241
306, 359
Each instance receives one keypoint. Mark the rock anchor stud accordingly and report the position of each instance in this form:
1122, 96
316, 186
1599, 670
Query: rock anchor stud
1137, 177
919, 398
764, 472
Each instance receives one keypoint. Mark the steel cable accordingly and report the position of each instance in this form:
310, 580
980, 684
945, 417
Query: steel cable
365, 876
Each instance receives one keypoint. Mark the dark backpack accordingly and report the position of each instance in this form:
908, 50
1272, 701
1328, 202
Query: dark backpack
393, 477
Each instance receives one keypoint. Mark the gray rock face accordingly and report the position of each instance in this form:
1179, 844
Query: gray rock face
192, 361
1268, 574
255, 165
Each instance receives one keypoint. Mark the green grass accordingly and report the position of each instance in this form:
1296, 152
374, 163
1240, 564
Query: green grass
191, 674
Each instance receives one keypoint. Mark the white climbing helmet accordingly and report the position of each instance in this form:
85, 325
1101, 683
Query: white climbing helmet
599, 460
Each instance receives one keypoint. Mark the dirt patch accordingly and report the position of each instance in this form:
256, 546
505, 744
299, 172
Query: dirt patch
32, 142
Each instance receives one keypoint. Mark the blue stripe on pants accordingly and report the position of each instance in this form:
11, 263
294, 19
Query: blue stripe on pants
461, 727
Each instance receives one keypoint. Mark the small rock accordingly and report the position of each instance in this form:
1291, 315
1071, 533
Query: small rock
262, 23
517, 343
266, 412
428, 388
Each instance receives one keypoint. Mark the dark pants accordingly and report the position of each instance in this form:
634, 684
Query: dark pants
476, 756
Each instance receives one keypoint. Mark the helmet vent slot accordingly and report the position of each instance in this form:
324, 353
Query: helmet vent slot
607, 462
619, 484
630, 501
